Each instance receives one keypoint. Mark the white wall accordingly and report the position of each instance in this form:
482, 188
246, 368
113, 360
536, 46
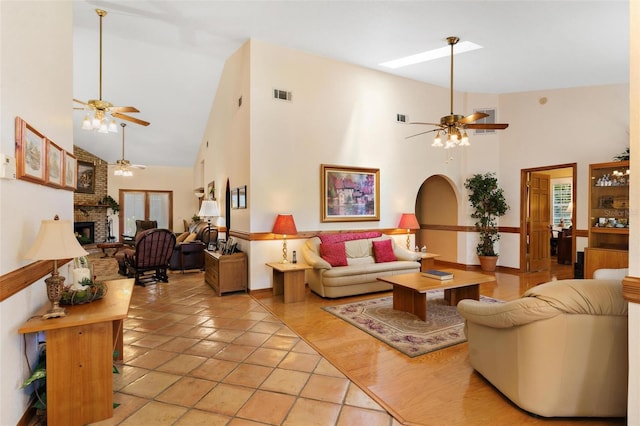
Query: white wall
36, 81
633, 408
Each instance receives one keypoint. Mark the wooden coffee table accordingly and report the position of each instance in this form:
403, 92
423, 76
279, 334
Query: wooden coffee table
410, 290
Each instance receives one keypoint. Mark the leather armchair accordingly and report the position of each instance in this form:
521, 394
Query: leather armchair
151, 253
559, 351
141, 225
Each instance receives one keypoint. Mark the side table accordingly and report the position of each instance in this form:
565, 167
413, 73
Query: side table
105, 246
288, 279
427, 261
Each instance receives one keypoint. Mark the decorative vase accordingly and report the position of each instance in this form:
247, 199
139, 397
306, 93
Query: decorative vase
488, 263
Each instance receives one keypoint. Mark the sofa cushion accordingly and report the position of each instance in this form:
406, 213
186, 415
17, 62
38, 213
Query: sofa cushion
335, 254
383, 251
358, 248
191, 237
180, 238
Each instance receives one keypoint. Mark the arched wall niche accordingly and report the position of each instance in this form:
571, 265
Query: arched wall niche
437, 212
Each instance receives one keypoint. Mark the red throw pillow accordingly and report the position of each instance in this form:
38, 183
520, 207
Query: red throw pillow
383, 251
335, 254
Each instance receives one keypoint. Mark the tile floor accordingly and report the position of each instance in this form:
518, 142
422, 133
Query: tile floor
192, 358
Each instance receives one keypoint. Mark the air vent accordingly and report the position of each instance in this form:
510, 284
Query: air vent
401, 118
282, 95
491, 119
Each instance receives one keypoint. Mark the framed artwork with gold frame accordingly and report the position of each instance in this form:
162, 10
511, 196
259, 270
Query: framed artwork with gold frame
349, 194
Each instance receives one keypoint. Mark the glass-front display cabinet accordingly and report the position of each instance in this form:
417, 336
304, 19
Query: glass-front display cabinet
608, 217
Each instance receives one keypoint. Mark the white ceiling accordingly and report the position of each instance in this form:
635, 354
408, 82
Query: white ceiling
165, 57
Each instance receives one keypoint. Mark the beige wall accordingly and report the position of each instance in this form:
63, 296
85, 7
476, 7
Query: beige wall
345, 115
36, 81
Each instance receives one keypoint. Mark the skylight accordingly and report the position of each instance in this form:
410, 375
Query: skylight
429, 55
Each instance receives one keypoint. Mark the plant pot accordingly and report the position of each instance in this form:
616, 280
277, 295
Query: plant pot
488, 263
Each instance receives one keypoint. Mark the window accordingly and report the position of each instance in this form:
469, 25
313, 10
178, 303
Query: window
562, 204
145, 205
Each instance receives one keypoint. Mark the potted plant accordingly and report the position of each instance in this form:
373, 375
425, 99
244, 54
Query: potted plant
488, 202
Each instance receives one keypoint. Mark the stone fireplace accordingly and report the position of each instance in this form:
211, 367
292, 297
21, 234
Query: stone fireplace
88, 206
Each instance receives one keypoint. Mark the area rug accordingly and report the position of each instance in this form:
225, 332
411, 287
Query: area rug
404, 331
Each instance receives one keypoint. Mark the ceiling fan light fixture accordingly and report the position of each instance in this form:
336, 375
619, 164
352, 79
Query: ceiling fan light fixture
465, 139
437, 141
113, 126
86, 123
118, 172
103, 126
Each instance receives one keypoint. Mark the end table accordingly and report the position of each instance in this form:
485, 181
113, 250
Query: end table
288, 279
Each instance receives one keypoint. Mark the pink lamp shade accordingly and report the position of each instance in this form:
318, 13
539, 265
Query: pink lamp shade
408, 221
284, 225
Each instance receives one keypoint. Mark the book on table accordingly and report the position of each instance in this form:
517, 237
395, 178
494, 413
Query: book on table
438, 275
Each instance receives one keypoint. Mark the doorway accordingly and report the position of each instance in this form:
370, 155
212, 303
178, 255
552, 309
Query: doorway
537, 215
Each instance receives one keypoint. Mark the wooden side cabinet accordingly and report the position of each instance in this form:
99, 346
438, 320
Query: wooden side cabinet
225, 273
80, 355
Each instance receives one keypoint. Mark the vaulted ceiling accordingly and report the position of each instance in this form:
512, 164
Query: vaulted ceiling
165, 57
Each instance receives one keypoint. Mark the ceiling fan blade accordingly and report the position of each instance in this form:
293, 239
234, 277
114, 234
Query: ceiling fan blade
123, 109
427, 124
132, 119
422, 133
473, 117
487, 126
139, 166
80, 102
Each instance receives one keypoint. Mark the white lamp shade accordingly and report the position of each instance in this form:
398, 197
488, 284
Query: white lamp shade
209, 208
55, 240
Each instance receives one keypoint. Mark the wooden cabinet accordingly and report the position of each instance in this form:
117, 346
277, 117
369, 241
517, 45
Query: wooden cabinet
225, 273
608, 217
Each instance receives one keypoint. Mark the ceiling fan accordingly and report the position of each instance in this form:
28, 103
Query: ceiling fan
102, 107
454, 125
123, 167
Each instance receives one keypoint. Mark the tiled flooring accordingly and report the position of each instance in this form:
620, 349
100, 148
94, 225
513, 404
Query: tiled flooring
192, 358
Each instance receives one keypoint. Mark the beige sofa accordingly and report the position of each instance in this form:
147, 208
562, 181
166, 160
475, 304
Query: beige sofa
360, 274
560, 350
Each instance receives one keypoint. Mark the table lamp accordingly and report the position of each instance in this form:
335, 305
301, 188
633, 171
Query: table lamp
408, 221
208, 210
55, 241
284, 225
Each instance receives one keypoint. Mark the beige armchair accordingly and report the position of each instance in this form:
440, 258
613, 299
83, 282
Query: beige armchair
559, 351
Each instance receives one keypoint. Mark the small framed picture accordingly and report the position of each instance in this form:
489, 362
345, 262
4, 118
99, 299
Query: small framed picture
31, 148
70, 171
86, 177
242, 197
55, 165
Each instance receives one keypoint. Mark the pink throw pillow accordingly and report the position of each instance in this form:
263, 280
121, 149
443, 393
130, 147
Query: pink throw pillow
335, 254
383, 251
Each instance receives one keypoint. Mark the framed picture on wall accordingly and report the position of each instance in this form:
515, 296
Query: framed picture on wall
242, 197
70, 171
86, 177
349, 194
31, 149
55, 165
234, 198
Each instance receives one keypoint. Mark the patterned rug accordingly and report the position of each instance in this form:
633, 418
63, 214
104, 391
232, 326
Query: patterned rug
404, 331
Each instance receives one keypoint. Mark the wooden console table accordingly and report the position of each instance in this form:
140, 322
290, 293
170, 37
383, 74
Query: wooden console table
80, 350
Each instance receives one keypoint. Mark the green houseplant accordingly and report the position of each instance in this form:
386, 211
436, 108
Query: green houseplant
488, 203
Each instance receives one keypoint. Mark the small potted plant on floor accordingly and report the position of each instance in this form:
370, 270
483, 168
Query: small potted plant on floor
489, 203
